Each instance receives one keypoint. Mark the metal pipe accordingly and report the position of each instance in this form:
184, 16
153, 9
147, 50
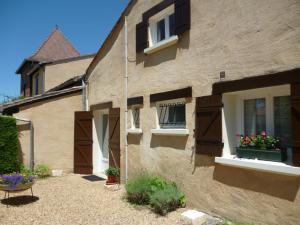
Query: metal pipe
125, 100
31, 146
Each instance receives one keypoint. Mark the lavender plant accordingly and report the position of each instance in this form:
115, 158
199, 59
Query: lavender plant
15, 179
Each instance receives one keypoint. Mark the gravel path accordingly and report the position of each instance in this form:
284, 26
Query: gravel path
74, 200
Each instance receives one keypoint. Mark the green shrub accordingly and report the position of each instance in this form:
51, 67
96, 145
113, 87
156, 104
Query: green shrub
9, 158
141, 187
112, 171
167, 199
25, 170
42, 171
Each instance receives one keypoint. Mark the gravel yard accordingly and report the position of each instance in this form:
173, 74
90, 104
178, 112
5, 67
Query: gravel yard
74, 200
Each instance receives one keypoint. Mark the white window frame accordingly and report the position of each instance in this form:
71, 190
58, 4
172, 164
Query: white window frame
133, 129
169, 131
228, 158
155, 45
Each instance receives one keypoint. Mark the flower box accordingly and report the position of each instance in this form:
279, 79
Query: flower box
268, 154
18, 188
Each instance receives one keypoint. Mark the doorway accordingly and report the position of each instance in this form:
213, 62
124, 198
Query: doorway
100, 142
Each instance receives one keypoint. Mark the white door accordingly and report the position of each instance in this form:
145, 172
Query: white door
100, 142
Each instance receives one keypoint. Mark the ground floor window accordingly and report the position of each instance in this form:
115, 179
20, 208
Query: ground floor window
171, 114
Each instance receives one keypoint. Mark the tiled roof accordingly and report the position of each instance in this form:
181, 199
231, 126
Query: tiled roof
55, 47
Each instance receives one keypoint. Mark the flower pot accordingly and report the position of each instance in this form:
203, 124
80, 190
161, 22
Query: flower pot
111, 179
268, 154
18, 188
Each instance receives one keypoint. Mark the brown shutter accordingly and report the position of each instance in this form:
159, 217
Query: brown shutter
141, 36
83, 143
182, 16
295, 104
114, 137
208, 133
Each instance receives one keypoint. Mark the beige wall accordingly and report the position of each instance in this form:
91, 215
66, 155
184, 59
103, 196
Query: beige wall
243, 38
53, 123
56, 74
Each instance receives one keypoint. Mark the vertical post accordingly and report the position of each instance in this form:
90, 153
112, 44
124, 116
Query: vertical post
31, 147
125, 100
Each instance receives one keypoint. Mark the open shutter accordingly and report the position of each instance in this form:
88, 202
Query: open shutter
141, 36
114, 137
182, 16
295, 104
83, 143
208, 131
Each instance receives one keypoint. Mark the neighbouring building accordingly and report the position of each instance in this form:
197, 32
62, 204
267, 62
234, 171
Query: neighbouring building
199, 72
51, 91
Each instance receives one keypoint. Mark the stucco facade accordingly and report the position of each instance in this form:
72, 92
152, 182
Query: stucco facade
242, 38
53, 125
60, 72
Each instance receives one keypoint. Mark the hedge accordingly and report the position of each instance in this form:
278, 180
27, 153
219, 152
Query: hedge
9, 160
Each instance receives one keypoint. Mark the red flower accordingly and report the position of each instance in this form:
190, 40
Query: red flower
246, 141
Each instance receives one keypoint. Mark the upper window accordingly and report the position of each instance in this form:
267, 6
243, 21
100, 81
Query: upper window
135, 118
171, 115
36, 84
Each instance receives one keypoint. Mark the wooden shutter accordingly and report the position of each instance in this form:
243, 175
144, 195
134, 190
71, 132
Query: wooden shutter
114, 137
182, 16
208, 131
141, 36
295, 104
83, 143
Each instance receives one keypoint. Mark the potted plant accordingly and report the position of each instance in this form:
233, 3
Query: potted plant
112, 174
261, 146
15, 182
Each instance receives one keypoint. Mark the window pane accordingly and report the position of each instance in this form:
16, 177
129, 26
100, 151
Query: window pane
172, 115
161, 30
282, 119
172, 24
254, 116
136, 118
37, 85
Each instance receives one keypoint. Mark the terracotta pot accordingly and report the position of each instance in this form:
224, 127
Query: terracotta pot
111, 179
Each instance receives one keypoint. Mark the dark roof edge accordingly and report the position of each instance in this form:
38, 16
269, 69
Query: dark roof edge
93, 64
38, 98
67, 83
72, 59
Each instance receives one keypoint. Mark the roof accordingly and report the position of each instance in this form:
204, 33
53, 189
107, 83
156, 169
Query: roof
96, 59
74, 81
37, 98
55, 47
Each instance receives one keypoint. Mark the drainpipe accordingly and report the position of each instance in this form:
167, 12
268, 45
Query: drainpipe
84, 100
125, 100
31, 147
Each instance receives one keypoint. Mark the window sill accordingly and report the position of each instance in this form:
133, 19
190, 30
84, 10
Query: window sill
134, 131
161, 45
175, 132
268, 166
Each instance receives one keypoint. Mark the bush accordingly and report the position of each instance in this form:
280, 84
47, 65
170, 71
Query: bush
141, 187
167, 199
25, 170
9, 160
42, 171
112, 171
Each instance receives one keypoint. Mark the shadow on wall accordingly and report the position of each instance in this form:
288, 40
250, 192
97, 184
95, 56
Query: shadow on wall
21, 128
176, 142
166, 54
134, 139
280, 186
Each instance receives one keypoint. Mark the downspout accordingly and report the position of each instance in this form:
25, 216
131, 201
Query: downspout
125, 101
31, 147
84, 96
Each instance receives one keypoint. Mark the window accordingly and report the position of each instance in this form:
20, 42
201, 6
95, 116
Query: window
171, 115
282, 119
37, 84
254, 116
161, 33
135, 118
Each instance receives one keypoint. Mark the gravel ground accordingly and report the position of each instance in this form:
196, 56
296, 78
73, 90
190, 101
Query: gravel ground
74, 200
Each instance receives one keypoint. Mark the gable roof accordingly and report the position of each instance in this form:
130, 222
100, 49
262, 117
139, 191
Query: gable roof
97, 57
55, 47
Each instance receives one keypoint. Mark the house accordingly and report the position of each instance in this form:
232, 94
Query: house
199, 72
51, 90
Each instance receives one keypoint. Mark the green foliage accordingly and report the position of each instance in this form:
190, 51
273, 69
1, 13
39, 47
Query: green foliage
167, 199
112, 171
9, 160
26, 171
42, 171
261, 141
156, 191
227, 222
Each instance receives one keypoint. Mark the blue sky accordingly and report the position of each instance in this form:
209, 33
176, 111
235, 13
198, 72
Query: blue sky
26, 24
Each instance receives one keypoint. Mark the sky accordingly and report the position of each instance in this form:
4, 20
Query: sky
26, 24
